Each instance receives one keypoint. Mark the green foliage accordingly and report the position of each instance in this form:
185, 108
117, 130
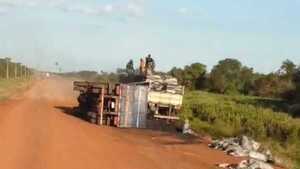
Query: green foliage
279, 84
229, 76
296, 80
178, 73
7, 87
267, 86
288, 69
221, 115
192, 76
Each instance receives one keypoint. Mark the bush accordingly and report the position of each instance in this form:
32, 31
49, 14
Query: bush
221, 115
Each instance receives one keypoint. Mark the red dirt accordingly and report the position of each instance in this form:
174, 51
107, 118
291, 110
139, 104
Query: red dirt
34, 134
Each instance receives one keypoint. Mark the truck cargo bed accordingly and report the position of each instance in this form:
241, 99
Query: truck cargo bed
165, 98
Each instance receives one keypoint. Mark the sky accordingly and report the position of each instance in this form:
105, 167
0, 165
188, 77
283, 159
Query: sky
103, 35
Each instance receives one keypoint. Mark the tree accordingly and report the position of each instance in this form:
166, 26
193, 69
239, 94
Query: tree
287, 85
225, 76
267, 85
288, 69
296, 80
178, 73
247, 78
192, 76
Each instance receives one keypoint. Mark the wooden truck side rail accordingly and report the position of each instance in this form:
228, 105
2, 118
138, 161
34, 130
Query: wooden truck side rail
165, 98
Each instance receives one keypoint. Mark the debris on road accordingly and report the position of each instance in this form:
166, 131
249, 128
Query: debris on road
237, 146
244, 147
247, 164
258, 156
187, 130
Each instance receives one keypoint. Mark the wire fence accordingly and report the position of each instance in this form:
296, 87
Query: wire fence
13, 70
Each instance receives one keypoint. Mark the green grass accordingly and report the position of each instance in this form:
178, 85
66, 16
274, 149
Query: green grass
11, 86
264, 119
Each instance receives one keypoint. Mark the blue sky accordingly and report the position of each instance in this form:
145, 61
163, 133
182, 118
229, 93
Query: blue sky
105, 34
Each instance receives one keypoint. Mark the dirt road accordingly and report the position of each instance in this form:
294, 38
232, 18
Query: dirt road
36, 134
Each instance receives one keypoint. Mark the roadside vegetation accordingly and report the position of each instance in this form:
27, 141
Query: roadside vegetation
12, 86
14, 77
233, 100
228, 116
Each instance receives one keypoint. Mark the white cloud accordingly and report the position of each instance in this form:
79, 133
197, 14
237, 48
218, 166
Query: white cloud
108, 8
183, 10
135, 9
30, 3
129, 7
3, 10
79, 9
132, 8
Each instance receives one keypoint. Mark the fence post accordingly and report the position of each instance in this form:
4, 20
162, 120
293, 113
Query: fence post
139, 102
7, 68
25, 76
21, 71
16, 70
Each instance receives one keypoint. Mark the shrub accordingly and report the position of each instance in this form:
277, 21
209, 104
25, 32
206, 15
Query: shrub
221, 115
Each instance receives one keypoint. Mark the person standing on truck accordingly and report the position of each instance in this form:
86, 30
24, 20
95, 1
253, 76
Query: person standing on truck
150, 65
142, 66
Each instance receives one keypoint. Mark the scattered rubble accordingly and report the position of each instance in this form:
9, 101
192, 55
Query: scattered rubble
241, 147
244, 147
247, 164
258, 156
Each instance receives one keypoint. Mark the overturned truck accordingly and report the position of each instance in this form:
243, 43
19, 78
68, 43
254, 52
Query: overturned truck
132, 104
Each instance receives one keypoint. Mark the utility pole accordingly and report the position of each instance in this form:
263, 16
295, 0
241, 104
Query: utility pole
57, 67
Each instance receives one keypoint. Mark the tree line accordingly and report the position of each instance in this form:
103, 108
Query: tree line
230, 76
12, 70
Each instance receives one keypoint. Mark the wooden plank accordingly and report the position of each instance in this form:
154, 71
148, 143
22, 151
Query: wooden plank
111, 96
110, 113
166, 117
165, 98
